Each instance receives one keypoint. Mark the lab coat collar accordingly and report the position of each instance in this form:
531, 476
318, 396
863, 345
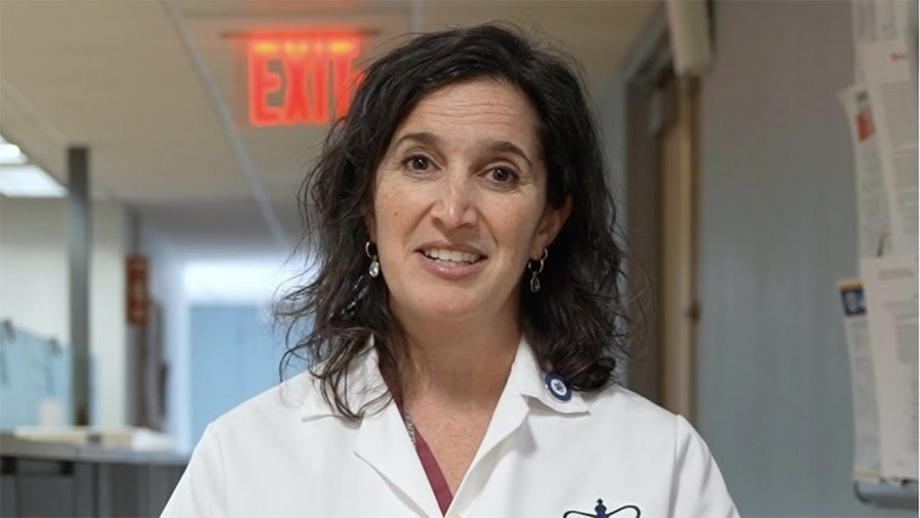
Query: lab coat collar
363, 385
383, 443
366, 385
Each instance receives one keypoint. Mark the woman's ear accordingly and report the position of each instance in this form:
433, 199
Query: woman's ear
370, 223
550, 226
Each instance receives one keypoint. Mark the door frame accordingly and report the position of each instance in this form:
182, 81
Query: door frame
662, 373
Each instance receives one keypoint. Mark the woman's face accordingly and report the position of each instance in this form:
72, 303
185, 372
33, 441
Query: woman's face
460, 204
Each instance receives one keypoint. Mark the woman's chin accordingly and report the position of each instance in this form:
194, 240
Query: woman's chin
455, 307
447, 312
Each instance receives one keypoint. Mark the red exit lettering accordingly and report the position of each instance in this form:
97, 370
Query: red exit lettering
295, 70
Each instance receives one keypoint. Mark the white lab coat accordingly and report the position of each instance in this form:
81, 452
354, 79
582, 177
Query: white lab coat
287, 453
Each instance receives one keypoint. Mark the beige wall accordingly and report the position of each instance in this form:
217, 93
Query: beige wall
34, 287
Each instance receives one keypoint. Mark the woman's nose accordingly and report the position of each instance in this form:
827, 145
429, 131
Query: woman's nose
454, 207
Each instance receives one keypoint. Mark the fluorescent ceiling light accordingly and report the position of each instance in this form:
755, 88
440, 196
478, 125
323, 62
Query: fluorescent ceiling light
29, 181
11, 154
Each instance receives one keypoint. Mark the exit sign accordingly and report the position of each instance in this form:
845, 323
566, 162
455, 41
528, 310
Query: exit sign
300, 79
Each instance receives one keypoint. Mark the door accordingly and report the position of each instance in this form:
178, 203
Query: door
677, 243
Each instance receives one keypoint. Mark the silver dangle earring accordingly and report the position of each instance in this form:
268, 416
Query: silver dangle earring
374, 269
536, 268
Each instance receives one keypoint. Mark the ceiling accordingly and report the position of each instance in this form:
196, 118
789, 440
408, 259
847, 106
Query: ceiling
118, 77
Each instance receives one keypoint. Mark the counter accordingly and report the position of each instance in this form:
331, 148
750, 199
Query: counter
41, 478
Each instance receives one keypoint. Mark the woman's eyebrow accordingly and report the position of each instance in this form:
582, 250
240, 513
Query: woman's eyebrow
422, 137
503, 146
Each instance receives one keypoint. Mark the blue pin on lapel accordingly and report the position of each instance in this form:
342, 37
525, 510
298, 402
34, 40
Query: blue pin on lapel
558, 387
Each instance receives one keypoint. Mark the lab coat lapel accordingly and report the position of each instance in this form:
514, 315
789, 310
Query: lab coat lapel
512, 407
525, 383
384, 444
383, 441
510, 414
509, 417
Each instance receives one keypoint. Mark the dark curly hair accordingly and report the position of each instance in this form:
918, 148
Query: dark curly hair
574, 324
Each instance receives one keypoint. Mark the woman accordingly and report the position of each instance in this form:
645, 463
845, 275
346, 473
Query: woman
466, 315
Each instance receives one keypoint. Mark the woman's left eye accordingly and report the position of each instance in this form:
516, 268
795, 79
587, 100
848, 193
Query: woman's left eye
417, 163
502, 175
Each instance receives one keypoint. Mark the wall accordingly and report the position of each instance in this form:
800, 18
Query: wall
165, 270
234, 355
184, 275
34, 287
33, 266
778, 229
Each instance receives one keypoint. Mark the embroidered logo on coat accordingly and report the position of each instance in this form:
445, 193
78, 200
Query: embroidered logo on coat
600, 511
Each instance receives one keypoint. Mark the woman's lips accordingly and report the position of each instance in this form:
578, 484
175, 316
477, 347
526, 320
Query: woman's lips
451, 264
454, 256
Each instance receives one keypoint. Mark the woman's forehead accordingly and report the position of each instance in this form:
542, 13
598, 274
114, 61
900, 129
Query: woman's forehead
482, 110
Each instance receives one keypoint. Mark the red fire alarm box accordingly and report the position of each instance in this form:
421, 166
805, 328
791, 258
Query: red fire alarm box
138, 298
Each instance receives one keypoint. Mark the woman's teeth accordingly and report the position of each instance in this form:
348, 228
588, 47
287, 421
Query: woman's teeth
452, 255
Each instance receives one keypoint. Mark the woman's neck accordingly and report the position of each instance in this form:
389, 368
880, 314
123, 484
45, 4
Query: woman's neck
466, 362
